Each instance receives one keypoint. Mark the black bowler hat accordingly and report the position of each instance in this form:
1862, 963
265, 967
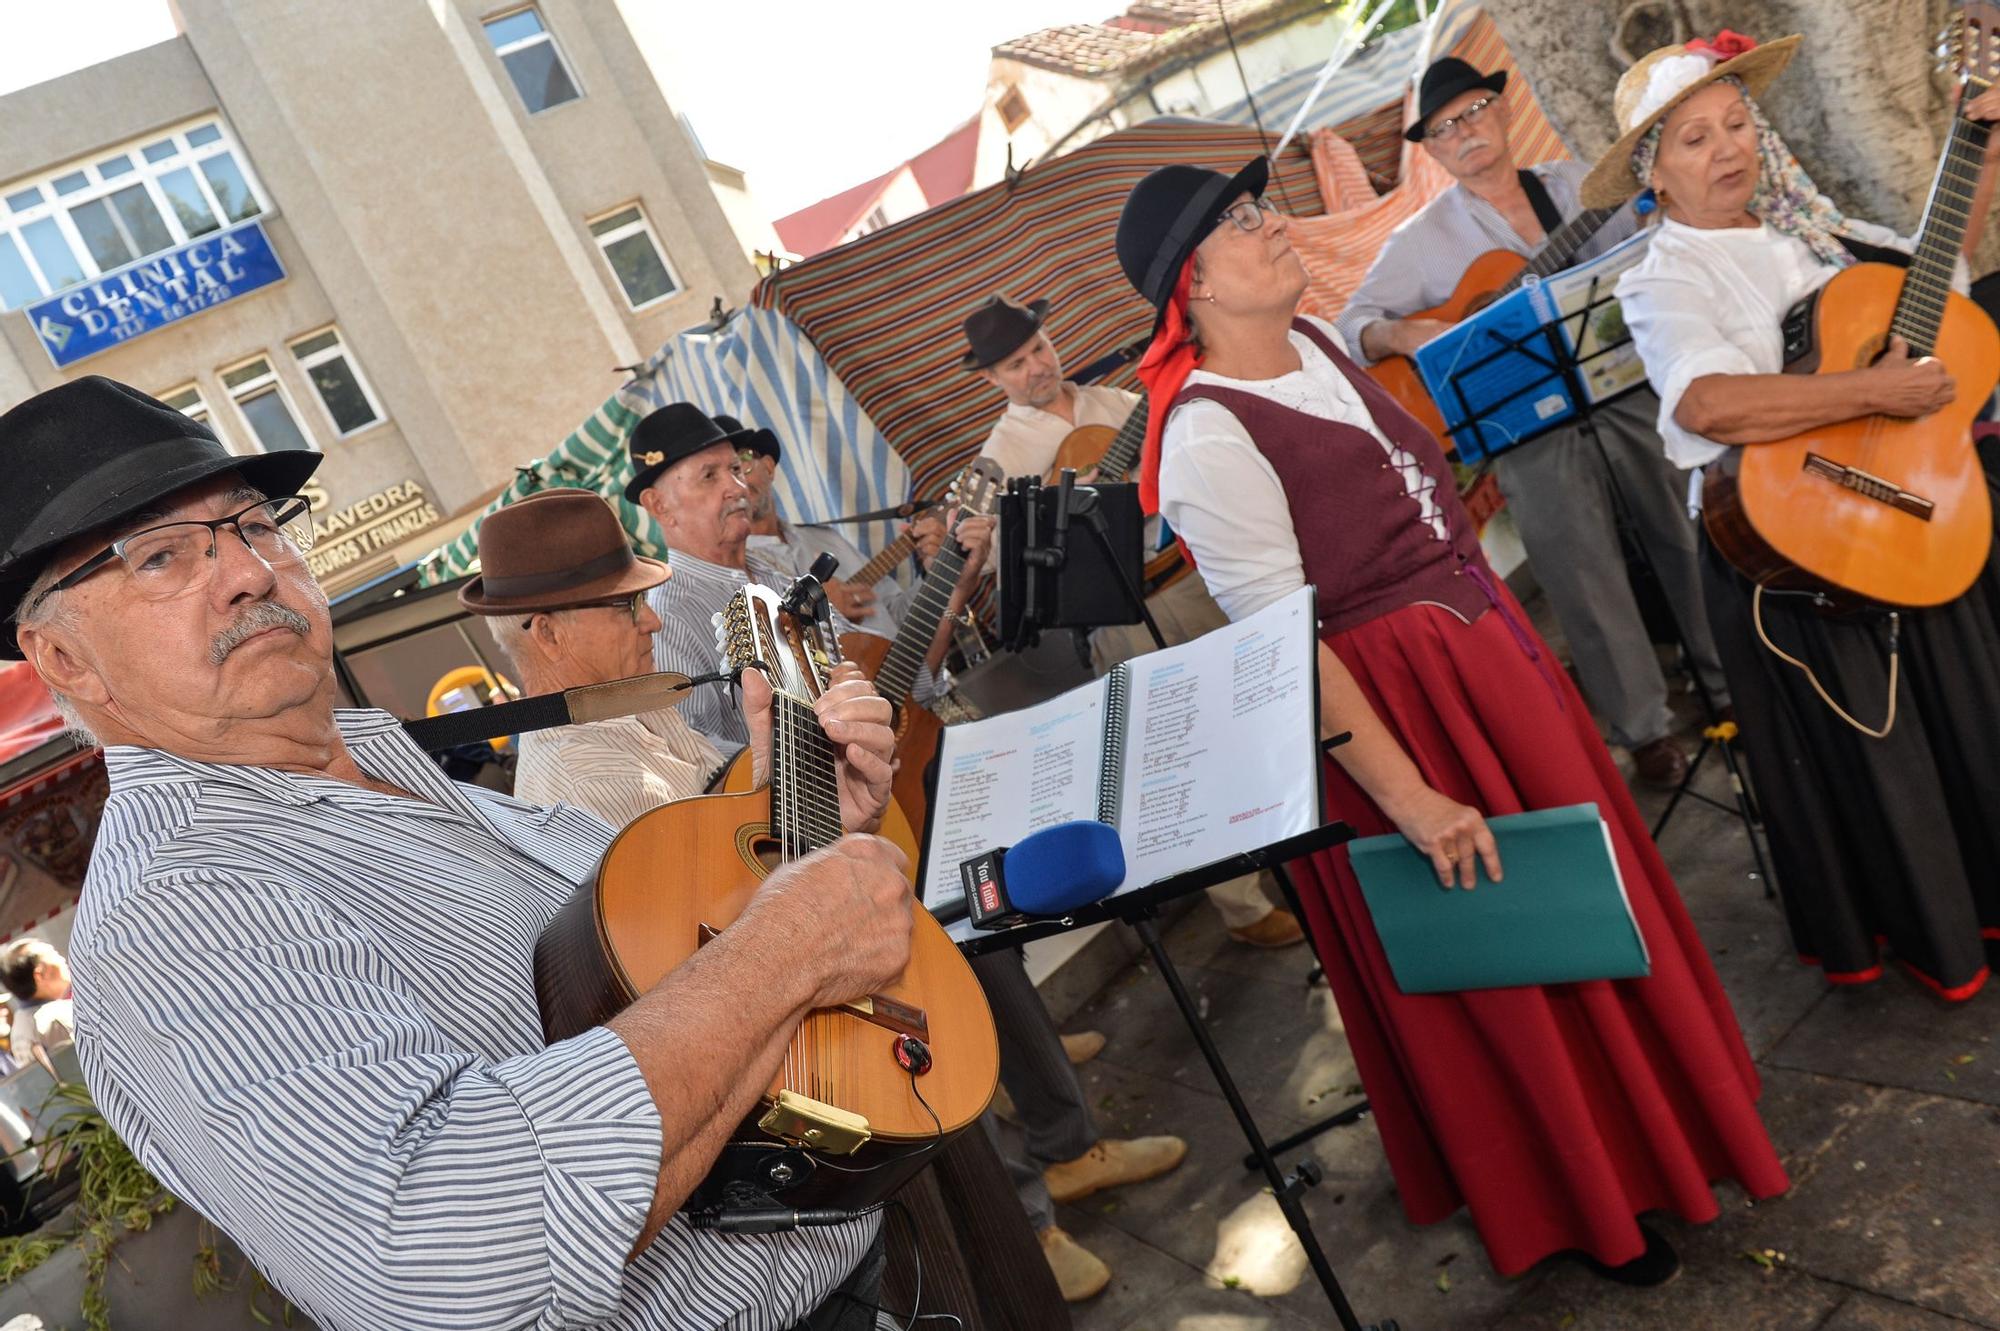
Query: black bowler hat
756, 438
676, 431
1169, 213
996, 330
1444, 80
91, 453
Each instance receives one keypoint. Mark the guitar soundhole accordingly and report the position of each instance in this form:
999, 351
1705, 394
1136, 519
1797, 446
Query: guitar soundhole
759, 849
1874, 349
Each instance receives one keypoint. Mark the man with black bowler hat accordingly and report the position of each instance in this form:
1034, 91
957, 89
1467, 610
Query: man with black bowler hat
1559, 486
436, 1161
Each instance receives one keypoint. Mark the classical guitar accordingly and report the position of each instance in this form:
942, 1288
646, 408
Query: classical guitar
1489, 277
1114, 453
894, 665
1881, 509
868, 1091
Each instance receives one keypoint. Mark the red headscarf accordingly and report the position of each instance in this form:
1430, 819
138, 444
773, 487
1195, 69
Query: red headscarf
1168, 362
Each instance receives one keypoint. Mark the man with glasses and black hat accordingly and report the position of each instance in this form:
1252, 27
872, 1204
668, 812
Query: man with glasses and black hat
374, 1115
1005, 346
1559, 487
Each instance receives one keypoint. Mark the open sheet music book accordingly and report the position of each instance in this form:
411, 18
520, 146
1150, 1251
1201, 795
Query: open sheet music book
1194, 753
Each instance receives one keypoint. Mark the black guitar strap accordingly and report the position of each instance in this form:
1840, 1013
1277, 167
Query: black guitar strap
1545, 208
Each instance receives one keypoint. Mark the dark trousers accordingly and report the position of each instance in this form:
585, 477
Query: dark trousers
1055, 1122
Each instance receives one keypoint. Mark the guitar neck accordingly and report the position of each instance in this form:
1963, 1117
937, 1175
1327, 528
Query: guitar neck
1123, 454
1927, 285
885, 561
1561, 246
805, 799
926, 610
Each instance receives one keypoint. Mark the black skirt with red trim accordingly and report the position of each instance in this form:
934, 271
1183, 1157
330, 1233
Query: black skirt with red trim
1884, 849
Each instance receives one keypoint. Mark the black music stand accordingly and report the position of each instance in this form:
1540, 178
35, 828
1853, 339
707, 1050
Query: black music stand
1046, 581
1140, 910
1549, 348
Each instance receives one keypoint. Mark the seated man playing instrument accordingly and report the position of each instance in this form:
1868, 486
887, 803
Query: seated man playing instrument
375, 1116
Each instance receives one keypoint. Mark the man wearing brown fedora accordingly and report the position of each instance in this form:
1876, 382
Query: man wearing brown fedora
440, 1153
1007, 347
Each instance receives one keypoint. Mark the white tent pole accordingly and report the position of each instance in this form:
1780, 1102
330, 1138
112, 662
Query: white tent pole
1343, 50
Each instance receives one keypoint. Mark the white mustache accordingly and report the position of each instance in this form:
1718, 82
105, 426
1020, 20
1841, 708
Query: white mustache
259, 617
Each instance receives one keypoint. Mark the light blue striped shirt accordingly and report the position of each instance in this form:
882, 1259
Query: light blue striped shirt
309, 1008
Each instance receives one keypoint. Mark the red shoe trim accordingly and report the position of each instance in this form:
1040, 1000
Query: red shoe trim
1956, 994
1869, 976
1990, 932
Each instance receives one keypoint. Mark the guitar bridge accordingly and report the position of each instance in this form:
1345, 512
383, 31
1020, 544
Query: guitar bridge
1870, 486
803, 1121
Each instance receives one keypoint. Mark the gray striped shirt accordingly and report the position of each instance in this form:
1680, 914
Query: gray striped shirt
309, 1009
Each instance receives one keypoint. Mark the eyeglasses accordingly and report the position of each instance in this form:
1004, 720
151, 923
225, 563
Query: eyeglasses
166, 560
1471, 115
1249, 214
633, 605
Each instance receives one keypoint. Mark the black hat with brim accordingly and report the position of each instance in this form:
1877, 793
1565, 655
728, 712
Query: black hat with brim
1169, 213
998, 329
1444, 80
755, 438
675, 432
88, 455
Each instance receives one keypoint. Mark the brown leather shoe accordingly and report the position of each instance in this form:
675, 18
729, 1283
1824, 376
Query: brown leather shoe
1112, 1163
1278, 929
1079, 1273
1083, 1046
1660, 762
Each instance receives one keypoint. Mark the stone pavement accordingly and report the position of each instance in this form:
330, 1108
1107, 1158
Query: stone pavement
1883, 1101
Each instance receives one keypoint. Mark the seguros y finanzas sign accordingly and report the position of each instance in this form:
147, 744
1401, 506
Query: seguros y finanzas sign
154, 292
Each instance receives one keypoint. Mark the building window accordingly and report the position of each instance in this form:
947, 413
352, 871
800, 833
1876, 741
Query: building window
77, 223
1013, 109
264, 406
875, 221
533, 60
635, 256
335, 377
187, 400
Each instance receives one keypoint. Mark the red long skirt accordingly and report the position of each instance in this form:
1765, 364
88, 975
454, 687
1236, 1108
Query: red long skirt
1555, 1114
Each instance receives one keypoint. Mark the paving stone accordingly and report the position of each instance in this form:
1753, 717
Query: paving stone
1896, 1033
1865, 1313
1742, 1297
1143, 1279
1769, 989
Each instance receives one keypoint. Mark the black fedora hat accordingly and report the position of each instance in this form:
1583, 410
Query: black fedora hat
996, 330
92, 452
755, 438
1169, 213
1444, 80
677, 430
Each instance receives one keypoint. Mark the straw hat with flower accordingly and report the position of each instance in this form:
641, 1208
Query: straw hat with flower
1663, 79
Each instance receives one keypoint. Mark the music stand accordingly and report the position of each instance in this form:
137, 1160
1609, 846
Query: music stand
1548, 354
1048, 581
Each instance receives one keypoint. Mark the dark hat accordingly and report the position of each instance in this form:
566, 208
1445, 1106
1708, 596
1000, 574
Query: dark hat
676, 431
91, 453
996, 330
757, 439
1444, 80
552, 551
1169, 213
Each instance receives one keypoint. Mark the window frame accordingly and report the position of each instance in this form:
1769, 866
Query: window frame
145, 172
642, 223
339, 349
547, 34
255, 387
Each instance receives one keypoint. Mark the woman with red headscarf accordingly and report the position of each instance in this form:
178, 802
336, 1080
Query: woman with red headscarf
1559, 1113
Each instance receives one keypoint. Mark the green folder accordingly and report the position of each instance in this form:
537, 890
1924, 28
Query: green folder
1560, 915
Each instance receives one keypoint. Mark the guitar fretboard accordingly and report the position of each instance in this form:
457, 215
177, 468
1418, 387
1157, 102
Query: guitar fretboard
898, 675
1123, 453
1927, 285
1560, 247
885, 561
805, 796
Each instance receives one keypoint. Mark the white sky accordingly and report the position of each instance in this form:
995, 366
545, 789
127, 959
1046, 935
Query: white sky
808, 96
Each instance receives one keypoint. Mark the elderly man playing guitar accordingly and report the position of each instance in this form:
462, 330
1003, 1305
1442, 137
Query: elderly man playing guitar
1563, 488
1006, 346
375, 1116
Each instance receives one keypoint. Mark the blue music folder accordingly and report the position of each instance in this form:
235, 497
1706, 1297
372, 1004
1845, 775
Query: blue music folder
1559, 915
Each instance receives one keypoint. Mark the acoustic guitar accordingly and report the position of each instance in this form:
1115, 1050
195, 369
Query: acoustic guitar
1114, 453
1492, 275
868, 1091
1881, 509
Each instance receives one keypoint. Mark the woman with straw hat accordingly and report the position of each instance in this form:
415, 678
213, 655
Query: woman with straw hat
1555, 1114
1885, 830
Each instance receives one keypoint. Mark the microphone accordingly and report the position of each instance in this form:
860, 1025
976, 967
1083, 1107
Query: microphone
1048, 874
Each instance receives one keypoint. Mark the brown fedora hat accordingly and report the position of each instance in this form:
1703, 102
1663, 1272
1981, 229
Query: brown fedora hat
554, 551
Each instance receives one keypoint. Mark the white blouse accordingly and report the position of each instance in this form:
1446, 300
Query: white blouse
1712, 301
1222, 496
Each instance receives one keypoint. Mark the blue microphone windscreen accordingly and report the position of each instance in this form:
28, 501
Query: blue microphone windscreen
1055, 870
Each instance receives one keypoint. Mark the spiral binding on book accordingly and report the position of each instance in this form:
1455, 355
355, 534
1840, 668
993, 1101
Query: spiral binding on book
1111, 781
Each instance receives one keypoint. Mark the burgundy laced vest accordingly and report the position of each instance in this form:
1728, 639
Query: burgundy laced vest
1362, 536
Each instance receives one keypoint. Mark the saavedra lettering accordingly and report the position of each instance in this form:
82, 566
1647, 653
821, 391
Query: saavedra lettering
155, 292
